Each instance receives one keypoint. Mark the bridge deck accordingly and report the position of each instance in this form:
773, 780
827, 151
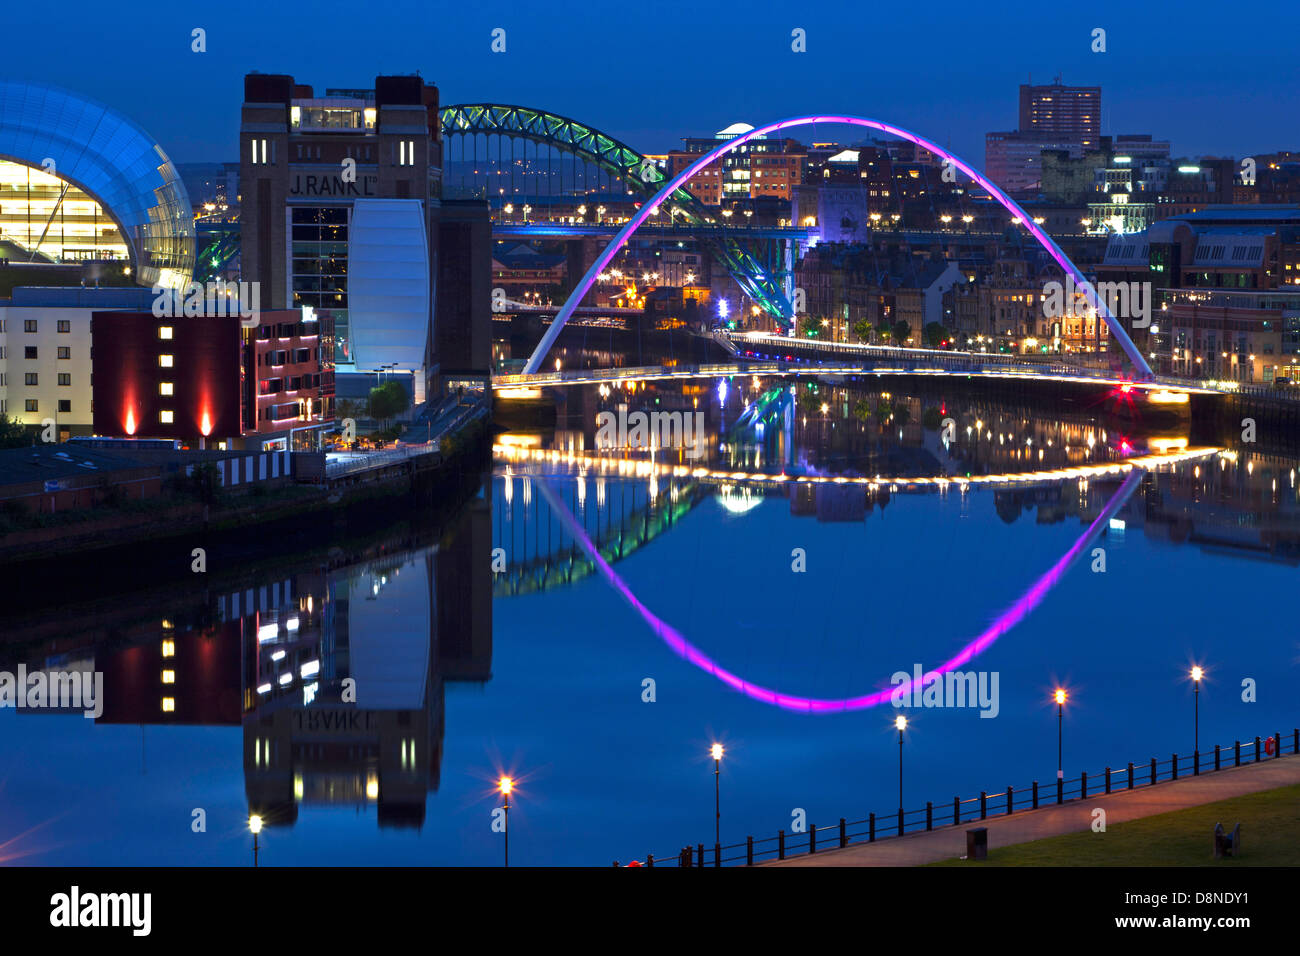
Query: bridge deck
891, 362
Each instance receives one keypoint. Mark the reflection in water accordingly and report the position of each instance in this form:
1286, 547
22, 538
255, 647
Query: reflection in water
336, 670
870, 480
1004, 622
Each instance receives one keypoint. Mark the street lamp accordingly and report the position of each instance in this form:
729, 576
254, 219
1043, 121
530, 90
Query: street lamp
901, 723
505, 785
1197, 674
255, 824
1060, 696
717, 793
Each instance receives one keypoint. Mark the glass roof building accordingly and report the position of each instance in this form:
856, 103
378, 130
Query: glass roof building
79, 181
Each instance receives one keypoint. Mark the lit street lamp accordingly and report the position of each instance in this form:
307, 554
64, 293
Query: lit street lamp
505, 785
1060, 721
1197, 674
717, 793
255, 824
901, 723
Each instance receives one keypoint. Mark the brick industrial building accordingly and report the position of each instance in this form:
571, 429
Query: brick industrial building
342, 211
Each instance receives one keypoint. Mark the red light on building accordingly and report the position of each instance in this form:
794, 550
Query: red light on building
166, 377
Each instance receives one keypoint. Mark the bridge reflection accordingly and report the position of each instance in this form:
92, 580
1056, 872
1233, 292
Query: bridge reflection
833, 452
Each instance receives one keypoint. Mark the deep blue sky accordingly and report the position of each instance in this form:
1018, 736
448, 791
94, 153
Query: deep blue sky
650, 73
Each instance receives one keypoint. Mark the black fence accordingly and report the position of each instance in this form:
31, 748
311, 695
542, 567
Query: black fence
988, 804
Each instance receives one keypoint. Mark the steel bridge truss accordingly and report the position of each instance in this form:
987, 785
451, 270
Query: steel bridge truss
745, 263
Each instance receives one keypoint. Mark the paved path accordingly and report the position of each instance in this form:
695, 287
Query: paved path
1071, 817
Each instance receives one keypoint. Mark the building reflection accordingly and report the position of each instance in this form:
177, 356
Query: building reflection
336, 670
344, 683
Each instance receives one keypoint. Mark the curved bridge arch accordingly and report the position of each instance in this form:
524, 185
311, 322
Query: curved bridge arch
634, 168
667, 190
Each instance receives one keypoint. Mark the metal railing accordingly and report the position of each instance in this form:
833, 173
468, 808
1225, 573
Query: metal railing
378, 459
988, 804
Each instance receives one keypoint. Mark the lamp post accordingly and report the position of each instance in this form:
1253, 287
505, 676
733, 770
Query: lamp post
1197, 674
505, 785
901, 723
255, 824
717, 792
1060, 697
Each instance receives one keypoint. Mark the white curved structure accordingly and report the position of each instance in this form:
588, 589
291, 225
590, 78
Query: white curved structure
389, 300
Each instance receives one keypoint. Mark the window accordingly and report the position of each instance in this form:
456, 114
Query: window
164, 332
65, 325
65, 378
30, 379
65, 352
29, 325
31, 405
406, 152
65, 405
166, 388
260, 155
166, 361
166, 416
29, 351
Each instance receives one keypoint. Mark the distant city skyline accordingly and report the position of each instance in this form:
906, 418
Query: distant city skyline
660, 74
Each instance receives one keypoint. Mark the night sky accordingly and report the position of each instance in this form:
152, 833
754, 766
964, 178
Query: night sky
651, 73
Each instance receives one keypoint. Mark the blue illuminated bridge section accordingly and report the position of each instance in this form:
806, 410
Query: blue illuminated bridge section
561, 230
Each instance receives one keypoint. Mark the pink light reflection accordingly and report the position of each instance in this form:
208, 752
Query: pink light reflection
813, 705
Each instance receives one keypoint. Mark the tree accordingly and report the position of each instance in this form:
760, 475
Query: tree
13, 434
901, 332
884, 330
862, 329
388, 400
935, 334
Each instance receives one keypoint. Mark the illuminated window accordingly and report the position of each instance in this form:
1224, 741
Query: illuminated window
164, 332
168, 648
166, 388
166, 416
166, 361
168, 704
169, 677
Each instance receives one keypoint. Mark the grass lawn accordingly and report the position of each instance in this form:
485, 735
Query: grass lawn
1270, 836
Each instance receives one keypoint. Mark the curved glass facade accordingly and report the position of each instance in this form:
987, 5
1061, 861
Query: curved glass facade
114, 162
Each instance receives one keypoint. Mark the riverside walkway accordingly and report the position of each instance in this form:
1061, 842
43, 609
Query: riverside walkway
1121, 806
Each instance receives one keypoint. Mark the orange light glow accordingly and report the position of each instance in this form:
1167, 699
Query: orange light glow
130, 421
206, 425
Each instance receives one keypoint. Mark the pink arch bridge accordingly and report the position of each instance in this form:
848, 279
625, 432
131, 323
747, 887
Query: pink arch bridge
1142, 369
